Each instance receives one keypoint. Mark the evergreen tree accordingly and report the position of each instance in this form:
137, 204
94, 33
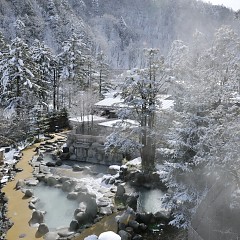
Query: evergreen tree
21, 86
202, 150
140, 94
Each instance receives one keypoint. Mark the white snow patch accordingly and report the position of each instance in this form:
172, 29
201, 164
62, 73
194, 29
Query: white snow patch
91, 237
120, 123
87, 118
109, 236
110, 102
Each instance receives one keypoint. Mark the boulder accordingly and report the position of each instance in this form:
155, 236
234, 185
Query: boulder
20, 184
74, 226
72, 195
52, 181
134, 225
28, 193
43, 229
124, 235
113, 169
50, 164
120, 192
59, 162
32, 182
109, 236
132, 202
31, 205
144, 218
77, 168
64, 233
37, 217
137, 237
68, 185
106, 210
126, 216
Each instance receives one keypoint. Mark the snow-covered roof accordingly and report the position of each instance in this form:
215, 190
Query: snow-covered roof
87, 118
110, 102
166, 104
114, 123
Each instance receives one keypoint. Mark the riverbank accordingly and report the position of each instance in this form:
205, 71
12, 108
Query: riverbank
18, 206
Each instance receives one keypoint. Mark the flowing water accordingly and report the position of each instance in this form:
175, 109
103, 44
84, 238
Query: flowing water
150, 200
59, 210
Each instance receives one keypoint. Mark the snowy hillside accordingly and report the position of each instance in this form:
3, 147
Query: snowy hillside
120, 28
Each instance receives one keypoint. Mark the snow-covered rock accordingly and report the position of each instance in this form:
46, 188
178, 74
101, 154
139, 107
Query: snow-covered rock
91, 237
109, 236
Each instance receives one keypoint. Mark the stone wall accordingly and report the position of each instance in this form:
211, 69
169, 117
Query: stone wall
88, 148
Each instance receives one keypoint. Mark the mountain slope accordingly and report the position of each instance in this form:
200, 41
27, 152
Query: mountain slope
121, 28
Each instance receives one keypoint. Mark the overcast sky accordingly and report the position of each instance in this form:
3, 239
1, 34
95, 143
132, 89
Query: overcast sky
234, 4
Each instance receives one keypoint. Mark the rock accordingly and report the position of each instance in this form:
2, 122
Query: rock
109, 236
52, 181
37, 217
121, 226
32, 182
159, 216
124, 235
129, 230
137, 237
74, 225
127, 216
43, 228
39, 158
72, 195
120, 191
106, 210
134, 224
68, 185
31, 206
64, 233
142, 227
20, 184
103, 202
65, 149
77, 168
132, 202
28, 193
144, 218
59, 163
113, 169
80, 188
50, 164
34, 200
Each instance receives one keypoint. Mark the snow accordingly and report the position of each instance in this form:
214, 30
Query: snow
4, 179
91, 237
119, 123
166, 104
9, 156
110, 102
109, 236
87, 118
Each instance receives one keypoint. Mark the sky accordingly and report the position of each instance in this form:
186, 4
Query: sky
234, 4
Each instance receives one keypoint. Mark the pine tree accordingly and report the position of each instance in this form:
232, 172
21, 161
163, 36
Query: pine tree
20, 83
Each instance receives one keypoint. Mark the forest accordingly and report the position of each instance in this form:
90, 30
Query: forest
58, 58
